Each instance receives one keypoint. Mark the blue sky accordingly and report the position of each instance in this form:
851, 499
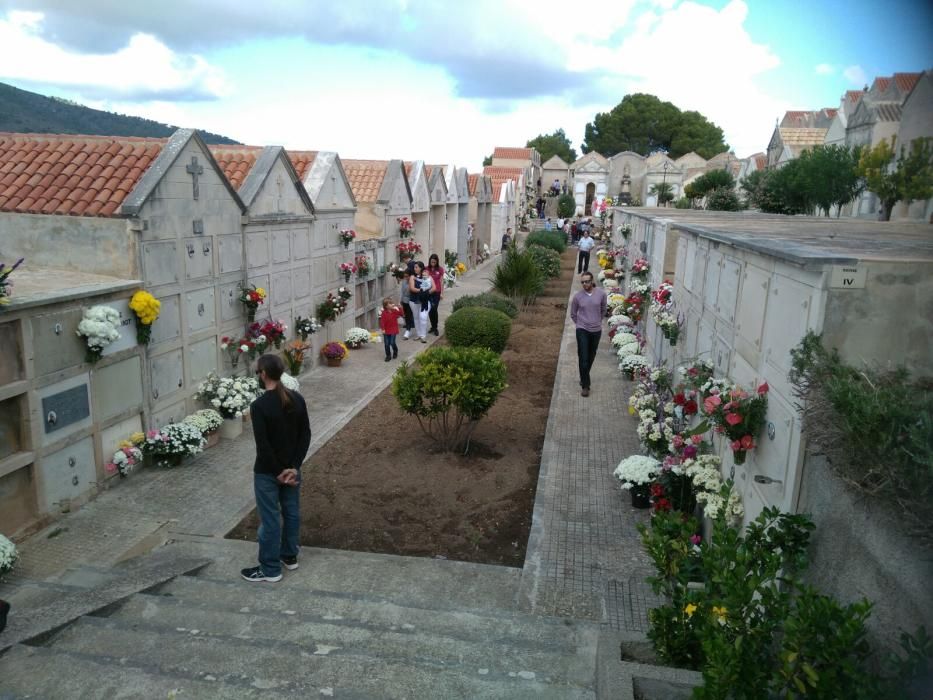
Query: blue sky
446, 82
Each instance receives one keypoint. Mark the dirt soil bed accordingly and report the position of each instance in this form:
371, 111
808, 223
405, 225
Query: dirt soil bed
379, 485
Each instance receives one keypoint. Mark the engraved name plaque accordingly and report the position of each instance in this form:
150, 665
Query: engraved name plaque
64, 408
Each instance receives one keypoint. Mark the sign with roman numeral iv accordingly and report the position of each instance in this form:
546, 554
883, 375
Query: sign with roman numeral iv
848, 277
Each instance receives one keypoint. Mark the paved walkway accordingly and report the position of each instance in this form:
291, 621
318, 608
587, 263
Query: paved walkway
584, 557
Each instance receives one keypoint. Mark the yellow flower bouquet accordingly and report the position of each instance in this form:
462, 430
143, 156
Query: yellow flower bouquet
146, 307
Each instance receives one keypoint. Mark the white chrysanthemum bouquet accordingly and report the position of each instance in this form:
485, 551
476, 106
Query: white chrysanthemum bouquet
8, 555
637, 470
99, 329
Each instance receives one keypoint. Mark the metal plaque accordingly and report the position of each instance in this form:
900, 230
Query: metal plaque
66, 407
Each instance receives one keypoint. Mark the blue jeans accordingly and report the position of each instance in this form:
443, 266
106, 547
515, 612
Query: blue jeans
388, 342
277, 507
587, 344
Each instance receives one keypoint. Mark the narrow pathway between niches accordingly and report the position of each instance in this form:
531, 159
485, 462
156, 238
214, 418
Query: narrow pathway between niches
584, 555
380, 485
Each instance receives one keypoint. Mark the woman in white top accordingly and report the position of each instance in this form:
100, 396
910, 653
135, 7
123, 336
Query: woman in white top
420, 287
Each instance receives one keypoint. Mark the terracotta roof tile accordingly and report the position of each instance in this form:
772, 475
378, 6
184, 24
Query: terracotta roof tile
761, 161
511, 153
881, 84
235, 161
472, 179
500, 171
905, 81
366, 178
65, 174
302, 161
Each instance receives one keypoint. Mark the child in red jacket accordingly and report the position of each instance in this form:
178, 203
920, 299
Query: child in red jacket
388, 322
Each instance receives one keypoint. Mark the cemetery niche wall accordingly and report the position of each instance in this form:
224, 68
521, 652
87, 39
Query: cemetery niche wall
749, 288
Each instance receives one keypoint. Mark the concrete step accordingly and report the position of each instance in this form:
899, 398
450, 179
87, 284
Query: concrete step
26, 594
276, 599
37, 672
410, 581
555, 653
274, 663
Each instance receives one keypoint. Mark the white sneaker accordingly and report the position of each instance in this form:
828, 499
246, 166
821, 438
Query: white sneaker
406, 336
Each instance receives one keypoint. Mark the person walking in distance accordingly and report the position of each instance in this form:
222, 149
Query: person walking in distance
587, 311
282, 433
388, 322
586, 244
506, 239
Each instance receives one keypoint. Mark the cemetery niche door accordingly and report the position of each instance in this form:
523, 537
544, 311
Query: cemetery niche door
590, 194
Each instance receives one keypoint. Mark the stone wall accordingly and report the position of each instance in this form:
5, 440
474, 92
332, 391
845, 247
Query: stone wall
97, 245
859, 551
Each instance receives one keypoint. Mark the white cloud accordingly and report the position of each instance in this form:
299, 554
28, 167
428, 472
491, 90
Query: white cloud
825, 69
855, 75
671, 56
144, 68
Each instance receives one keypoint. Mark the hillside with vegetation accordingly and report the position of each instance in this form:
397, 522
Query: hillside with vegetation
28, 112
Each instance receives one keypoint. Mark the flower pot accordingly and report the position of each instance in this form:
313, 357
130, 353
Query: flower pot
250, 315
738, 456
231, 428
641, 496
346, 244
212, 439
169, 460
346, 277
333, 361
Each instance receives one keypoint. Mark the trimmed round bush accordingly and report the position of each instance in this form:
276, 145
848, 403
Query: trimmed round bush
547, 259
549, 239
489, 301
476, 326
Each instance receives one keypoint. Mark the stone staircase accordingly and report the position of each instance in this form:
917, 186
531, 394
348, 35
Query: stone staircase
181, 623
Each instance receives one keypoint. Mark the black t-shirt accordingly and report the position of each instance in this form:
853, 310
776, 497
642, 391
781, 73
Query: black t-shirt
282, 437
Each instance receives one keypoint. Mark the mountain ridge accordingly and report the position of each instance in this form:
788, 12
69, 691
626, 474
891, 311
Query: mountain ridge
22, 111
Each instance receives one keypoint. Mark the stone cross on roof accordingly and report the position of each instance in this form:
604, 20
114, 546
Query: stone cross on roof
194, 170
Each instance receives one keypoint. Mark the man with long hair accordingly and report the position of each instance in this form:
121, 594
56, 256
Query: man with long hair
283, 435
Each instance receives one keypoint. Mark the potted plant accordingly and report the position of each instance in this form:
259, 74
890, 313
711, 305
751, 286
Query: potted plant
294, 355
633, 365
640, 269
99, 329
125, 459
251, 297
209, 422
739, 416
170, 445
334, 353
305, 327
8, 556
146, 307
6, 286
347, 269
231, 397
357, 338
405, 226
274, 331
346, 237
331, 307
636, 474
362, 266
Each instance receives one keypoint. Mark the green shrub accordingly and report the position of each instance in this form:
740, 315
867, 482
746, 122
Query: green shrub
448, 390
751, 626
547, 259
874, 425
477, 326
549, 239
723, 199
489, 301
683, 203
566, 205
517, 276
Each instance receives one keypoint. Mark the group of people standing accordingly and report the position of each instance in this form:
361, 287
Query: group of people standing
420, 294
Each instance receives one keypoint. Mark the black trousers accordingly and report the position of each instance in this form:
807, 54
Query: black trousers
409, 317
583, 261
587, 344
432, 312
